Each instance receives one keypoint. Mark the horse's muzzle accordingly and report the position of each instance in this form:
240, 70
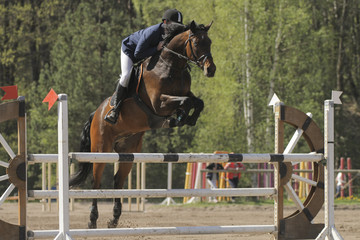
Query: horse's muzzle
209, 68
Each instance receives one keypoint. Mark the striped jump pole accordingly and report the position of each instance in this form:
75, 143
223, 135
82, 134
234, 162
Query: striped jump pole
193, 157
178, 157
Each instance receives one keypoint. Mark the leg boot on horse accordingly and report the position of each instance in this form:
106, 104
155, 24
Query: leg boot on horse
112, 116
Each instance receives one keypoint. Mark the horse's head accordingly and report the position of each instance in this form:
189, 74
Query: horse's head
198, 48
190, 43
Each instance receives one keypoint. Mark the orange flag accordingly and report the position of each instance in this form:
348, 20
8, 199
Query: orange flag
11, 92
51, 98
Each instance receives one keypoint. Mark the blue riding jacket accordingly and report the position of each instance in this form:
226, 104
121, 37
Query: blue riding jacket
143, 43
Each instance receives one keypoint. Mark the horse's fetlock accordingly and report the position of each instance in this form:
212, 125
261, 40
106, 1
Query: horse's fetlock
117, 210
94, 214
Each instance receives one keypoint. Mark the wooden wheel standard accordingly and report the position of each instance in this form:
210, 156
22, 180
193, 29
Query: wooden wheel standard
298, 225
15, 176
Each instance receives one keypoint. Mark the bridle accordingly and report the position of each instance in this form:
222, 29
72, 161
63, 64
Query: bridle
198, 61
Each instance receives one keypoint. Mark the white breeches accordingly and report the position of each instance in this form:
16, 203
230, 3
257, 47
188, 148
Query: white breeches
126, 65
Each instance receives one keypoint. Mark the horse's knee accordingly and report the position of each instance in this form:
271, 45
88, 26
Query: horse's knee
199, 104
198, 107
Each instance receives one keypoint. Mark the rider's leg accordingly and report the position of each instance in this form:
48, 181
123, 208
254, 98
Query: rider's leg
126, 66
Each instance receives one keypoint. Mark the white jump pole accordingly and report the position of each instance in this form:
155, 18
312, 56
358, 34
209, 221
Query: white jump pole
63, 166
169, 200
156, 193
329, 231
159, 231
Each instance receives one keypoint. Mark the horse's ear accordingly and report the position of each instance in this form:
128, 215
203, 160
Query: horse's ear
208, 26
193, 26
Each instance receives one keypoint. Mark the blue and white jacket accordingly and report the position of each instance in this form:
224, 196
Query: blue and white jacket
143, 43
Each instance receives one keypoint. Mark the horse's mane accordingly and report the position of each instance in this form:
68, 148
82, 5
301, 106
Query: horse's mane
173, 29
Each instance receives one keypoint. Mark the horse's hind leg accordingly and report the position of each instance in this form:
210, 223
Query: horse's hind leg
98, 170
119, 180
129, 144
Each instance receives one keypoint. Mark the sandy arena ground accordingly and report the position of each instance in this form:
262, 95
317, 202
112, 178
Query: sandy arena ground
346, 218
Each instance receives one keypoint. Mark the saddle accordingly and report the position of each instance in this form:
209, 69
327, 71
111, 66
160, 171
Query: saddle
134, 83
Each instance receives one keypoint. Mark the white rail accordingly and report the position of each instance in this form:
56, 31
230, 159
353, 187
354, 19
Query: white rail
152, 231
156, 193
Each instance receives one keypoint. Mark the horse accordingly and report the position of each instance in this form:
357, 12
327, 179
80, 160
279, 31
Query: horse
161, 98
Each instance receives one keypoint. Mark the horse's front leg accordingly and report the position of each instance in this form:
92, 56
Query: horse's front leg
181, 104
198, 106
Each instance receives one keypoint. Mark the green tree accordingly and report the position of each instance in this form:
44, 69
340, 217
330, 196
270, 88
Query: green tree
300, 50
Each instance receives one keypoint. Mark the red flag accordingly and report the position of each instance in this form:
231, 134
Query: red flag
11, 92
51, 98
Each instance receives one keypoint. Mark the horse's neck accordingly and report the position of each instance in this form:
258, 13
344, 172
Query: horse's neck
167, 74
171, 56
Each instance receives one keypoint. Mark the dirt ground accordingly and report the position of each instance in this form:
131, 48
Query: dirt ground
346, 218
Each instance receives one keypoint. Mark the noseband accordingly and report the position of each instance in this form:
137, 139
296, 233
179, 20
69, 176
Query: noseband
198, 61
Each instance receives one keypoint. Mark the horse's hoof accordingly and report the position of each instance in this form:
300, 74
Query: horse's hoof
91, 225
112, 223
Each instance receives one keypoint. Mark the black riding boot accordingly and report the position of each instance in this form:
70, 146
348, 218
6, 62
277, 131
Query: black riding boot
113, 114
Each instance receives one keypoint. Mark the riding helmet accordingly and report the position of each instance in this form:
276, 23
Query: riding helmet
173, 15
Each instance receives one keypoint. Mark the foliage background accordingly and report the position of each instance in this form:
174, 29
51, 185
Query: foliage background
300, 50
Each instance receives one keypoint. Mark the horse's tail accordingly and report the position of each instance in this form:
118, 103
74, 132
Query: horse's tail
85, 144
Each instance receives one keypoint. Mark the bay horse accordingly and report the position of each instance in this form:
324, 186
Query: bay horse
161, 99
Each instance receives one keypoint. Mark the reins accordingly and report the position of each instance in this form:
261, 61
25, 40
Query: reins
197, 60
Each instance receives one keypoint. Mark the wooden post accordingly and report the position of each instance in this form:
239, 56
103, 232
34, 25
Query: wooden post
349, 176
279, 148
138, 185
22, 152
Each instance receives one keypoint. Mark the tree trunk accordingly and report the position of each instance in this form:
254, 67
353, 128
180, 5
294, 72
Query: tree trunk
248, 106
273, 72
339, 64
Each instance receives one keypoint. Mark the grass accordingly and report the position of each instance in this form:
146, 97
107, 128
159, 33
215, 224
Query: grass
347, 200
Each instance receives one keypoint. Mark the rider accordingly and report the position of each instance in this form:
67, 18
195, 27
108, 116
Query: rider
139, 45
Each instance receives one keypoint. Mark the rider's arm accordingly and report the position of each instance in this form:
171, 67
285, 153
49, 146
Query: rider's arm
148, 42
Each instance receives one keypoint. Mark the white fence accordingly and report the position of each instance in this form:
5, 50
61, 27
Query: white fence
64, 194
